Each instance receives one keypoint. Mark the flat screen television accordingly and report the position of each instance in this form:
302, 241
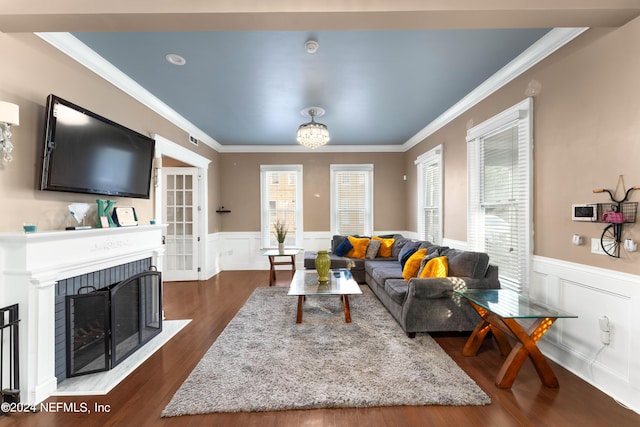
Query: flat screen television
86, 153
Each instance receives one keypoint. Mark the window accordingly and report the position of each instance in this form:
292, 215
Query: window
352, 199
430, 195
500, 192
281, 200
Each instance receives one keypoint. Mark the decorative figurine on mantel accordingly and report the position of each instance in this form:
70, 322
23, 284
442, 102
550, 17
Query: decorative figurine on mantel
79, 212
104, 217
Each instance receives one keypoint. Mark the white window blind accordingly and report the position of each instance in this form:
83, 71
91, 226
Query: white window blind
499, 217
281, 200
430, 195
352, 199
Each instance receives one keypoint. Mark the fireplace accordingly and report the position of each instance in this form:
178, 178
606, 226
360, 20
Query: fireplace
105, 326
34, 272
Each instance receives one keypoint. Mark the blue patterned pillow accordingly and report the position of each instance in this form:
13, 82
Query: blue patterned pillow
343, 248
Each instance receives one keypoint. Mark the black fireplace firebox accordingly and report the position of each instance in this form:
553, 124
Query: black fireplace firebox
105, 326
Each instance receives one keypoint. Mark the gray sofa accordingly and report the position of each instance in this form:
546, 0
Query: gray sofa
421, 305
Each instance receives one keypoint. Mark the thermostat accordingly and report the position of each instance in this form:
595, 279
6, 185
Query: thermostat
584, 212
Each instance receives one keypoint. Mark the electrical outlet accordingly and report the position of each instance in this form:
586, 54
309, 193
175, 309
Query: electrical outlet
605, 330
596, 247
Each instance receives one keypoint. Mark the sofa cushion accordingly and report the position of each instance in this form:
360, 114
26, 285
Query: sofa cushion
412, 265
398, 244
396, 289
407, 250
390, 271
343, 248
435, 267
386, 246
374, 248
466, 264
336, 240
359, 247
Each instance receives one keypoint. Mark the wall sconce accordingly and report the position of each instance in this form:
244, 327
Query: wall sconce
9, 115
157, 168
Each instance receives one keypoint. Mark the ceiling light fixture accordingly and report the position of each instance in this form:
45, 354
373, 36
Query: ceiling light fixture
313, 134
175, 59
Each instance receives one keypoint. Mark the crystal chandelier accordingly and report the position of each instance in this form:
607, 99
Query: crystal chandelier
313, 134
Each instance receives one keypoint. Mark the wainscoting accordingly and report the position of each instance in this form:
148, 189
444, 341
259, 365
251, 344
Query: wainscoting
591, 293
575, 344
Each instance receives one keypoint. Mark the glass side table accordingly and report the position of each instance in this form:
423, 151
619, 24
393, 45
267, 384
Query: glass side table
499, 310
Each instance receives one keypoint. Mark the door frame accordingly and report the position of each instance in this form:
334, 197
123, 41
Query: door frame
166, 147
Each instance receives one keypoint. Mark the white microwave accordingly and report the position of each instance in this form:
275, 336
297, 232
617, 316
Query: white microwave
584, 212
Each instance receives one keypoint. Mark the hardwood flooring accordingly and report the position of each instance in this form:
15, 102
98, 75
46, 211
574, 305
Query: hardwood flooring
141, 397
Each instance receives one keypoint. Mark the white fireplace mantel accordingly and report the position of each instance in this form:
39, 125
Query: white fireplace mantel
31, 264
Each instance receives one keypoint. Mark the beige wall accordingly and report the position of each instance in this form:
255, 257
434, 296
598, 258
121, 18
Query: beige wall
586, 131
241, 188
586, 125
34, 70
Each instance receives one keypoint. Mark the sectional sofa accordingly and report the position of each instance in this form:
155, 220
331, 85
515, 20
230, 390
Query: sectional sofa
426, 304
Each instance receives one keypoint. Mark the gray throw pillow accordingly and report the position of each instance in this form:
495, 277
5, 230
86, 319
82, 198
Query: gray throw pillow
372, 249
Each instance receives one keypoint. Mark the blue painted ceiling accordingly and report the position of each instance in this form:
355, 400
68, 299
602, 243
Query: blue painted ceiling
248, 88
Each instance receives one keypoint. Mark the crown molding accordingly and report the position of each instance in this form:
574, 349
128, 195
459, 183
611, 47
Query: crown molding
300, 149
80, 52
548, 44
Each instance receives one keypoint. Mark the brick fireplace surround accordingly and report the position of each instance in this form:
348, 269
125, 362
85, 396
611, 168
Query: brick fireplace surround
30, 266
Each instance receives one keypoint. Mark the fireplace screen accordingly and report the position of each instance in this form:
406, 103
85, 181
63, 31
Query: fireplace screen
106, 326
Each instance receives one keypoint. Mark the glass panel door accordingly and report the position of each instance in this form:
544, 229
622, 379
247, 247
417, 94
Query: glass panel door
180, 202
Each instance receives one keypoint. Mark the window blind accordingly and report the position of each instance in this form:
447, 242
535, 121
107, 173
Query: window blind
499, 218
281, 200
430, 195
352, 199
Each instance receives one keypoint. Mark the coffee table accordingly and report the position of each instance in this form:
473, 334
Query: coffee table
499, 310
305, 283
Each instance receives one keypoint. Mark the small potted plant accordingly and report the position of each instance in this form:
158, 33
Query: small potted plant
281, 234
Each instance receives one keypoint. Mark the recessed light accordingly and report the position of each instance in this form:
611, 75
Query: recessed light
175, 59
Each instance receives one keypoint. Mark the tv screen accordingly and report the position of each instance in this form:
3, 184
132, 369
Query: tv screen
87, 153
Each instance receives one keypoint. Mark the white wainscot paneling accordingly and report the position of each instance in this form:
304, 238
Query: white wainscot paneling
241, 251
212, 261
591, 293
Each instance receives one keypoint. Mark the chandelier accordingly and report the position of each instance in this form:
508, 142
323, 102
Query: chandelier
313, 134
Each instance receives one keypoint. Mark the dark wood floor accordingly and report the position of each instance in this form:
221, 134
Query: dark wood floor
140, 398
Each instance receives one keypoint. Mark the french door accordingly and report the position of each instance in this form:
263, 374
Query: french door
181, 205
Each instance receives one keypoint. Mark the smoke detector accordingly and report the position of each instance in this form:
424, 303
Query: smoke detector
311, 46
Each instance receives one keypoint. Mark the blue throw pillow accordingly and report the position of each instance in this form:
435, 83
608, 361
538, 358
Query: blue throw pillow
344, 247
406, 255
407, 245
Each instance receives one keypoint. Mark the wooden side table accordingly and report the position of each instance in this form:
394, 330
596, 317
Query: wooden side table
499, 309
273, 254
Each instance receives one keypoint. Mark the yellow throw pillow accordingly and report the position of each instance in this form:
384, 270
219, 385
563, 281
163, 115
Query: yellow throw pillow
359, 247
412, 265
436, 267
385, 246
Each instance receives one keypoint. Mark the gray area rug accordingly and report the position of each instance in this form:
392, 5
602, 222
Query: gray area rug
264, 361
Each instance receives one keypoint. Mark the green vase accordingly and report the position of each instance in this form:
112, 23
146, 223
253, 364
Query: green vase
323, 264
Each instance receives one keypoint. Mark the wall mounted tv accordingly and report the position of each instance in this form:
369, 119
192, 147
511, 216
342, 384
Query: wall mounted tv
87, 153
